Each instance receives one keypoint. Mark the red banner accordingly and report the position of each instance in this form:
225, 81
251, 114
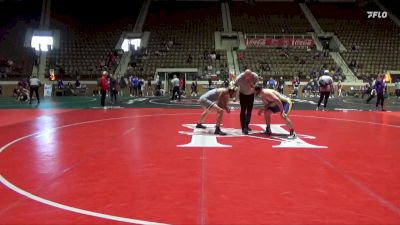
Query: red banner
271, 42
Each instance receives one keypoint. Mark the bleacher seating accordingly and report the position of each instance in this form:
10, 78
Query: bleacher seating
14, 23
269, 62
86, 43
268, 17
373, 44
190, 26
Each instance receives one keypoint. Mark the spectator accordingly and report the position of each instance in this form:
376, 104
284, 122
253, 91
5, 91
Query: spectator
60, 84
397, 88
77, 83
182, 86
379, 89
296, 85
135, 86
194, 88
104, 87
122, 86
189, 59
142, 85
149, 87
281, 85
271, 83
113, 89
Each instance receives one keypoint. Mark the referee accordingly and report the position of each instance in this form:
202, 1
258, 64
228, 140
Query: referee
246, 81
176, 89
34, 84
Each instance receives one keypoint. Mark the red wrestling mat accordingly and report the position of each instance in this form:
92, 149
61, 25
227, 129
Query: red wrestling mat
147, 166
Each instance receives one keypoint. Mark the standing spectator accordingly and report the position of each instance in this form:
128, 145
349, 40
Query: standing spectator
158, 87
325, 87
34, 84
372, 92
139, 87
315, 87
113, 89
397, 88
246, 82
281, 85
380, 88
296, 85
194, 88
60, 84
135, 85
367, 90
271, 83
182, 86
122, 86
175, 88
130, 85
103, 88
149, 87
339, 88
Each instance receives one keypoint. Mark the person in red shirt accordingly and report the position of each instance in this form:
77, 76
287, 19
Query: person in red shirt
103, 87
182, 86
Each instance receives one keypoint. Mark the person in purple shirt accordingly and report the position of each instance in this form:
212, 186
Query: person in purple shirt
379, 88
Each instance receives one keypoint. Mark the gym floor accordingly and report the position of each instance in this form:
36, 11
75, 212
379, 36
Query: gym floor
141, 161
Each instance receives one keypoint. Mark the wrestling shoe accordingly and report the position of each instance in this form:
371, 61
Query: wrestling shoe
199, 125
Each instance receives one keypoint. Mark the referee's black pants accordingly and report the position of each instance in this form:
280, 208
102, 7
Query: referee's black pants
246, 106
324, 95
379, 99
177, 91
36, 90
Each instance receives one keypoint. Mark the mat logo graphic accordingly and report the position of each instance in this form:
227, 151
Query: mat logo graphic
376, 14
205, 138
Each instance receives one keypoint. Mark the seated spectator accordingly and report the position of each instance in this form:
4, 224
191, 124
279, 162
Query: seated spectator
354, 47
218, 56
213, 55
241, 56
189, 59
316, 55
77, 84
69, 90
284, 53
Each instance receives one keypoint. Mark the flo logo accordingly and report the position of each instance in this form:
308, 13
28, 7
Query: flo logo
205, 138
376, 14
